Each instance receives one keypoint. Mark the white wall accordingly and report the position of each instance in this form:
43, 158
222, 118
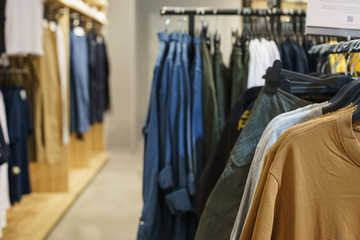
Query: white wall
121, 41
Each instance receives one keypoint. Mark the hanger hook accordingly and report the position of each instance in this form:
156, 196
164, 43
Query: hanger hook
351, 56
357, 60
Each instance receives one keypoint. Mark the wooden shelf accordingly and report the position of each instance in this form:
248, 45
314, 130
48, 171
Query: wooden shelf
98, 3
37, 213
73, 6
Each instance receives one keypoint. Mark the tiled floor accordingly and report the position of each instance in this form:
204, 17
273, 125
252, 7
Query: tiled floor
110, 207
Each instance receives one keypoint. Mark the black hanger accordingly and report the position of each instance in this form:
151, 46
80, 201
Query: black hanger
356, 113
51, 14
349, 94
275, 75
204, 29
238, 39
301, 87
342, 91
75, 20
216, 40
12, 76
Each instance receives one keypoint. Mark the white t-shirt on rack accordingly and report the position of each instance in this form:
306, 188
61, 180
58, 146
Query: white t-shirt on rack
23, 27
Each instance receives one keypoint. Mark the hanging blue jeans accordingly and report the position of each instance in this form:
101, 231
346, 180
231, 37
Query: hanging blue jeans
187, 88
79, 76
166, 178
150, 223
178, 200
197, 120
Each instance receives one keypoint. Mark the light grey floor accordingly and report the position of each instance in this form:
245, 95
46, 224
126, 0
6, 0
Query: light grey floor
110, 207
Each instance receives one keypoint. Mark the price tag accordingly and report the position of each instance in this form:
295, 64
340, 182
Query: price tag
79, 31
23, 94
333, 18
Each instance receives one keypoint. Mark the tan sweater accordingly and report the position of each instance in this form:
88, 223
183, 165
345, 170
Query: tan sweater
308, 188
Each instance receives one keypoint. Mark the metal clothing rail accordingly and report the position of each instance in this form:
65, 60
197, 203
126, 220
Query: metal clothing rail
352, 46
192, 12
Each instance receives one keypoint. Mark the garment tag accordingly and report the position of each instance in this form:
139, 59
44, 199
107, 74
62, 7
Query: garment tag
4, 60
99, 39
45, 23
23, 94
79, 31
16, 170
52, 26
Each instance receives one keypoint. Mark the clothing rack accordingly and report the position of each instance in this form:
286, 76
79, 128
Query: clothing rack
12, 71
352, 46
191, 13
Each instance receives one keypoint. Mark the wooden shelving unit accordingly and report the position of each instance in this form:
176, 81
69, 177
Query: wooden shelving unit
37, 213
56, 186
73, 6
98, 3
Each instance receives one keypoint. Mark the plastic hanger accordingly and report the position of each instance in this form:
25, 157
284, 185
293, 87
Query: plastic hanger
349, 93
353, 65
356, 113
167, 23
216, 35
324, 49
275, 75
216, 40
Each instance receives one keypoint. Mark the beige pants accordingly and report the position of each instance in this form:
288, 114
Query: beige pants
51, 98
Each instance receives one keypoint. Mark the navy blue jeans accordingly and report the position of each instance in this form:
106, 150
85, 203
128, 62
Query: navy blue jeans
79, 78
187, 87
150, 223
197, 119
166, 179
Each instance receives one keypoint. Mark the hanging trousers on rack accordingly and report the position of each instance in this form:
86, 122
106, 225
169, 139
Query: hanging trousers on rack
79, 84
210, 110
92, 50
186, 41
19, 127
221, 86
51, 98
197, 128
102, 93
166, 177
150, 222
63, 75
47, 105
245, 64
238, 85
36, 141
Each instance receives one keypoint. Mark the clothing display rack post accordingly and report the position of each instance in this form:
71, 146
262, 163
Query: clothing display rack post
191, 13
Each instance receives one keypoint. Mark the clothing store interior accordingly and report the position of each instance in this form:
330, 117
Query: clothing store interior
179, 119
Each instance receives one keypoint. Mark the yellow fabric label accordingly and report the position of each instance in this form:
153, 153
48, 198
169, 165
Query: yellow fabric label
243, 120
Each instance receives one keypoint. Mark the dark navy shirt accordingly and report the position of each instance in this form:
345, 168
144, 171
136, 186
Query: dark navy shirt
19, 127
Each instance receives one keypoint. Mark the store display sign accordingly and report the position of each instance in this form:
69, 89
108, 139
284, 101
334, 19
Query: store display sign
333, 17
